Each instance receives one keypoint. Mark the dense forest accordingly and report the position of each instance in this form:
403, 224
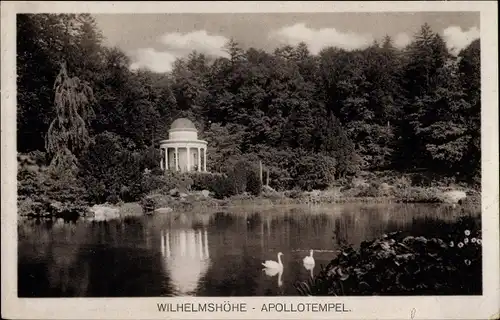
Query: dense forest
380, 108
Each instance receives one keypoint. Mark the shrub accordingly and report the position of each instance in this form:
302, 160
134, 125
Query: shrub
153, 182
239, 176
294, 194
314, 172
243, 177
28, 206
221, 185
402, 182
420, 195
113, 199
38, 157
280, 179
29, 183
65, 187
40, 187
155, 200
202, 180
183, 181
371, 190
254, 184
109, 169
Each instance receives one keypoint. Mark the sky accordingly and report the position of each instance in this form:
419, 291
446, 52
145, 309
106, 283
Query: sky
155, 41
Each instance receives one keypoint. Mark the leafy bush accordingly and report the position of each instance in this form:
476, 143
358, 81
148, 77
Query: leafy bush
254, 184
113, 199
314, 172
280, 179
28, 206
223, 186
419, 195
41, 188
181, 181
239, 176
369, 191
243, 177
294, 194
108, 169
155, 201
202, 180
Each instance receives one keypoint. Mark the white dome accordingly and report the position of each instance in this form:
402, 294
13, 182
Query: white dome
183, 129
182, 124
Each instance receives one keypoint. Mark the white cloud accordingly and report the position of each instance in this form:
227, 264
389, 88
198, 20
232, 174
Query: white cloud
178, 45
157, 61
401, 40
317, 39
199, 40
456, 39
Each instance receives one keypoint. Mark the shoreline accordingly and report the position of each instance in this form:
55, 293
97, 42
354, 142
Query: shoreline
165, 204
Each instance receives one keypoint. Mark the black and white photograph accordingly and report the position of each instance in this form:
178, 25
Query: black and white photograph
249, 154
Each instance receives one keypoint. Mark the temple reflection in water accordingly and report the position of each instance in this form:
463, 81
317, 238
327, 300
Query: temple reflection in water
186, 257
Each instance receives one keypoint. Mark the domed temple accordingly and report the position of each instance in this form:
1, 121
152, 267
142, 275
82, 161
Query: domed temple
183, 151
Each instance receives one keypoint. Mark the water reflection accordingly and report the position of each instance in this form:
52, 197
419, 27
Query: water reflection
186, 257
309, 263
273, 272
200, 253
310, 268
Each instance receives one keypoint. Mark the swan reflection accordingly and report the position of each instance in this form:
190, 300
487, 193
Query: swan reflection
273, 272
310, 268
186, 257
309, 263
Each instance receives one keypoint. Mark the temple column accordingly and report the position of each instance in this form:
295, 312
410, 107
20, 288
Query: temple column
188, 159
176, 158
167, 167
199, 160
205, 159
161, 161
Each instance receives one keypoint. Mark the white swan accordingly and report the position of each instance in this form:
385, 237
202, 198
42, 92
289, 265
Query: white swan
309, 260
270, 264
271, 268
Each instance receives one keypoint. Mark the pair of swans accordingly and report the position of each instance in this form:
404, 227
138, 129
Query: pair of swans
271, 264
271, 267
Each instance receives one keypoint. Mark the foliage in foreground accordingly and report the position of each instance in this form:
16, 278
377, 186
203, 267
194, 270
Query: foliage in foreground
403, 264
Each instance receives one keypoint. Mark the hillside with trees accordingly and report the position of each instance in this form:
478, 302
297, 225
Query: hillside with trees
311, 119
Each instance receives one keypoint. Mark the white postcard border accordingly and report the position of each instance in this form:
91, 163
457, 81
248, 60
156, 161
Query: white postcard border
486, 306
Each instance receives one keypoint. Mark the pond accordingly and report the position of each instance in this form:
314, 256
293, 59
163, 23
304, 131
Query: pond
199, 253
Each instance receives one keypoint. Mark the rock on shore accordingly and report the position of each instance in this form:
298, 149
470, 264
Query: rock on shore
453, 196
103, 213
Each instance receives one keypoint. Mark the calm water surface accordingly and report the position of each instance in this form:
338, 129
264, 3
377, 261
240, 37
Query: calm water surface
199, 253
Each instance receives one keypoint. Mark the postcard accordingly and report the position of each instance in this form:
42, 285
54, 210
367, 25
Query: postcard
250, 160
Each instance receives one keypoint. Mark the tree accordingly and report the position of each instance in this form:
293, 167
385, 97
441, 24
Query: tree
108, 168
333, 141
374, 108
470, 80
223, 146
443, 124
68, 134
43, 41
424, 59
